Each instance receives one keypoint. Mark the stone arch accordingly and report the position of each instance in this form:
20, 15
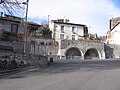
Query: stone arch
92, 53
74, 53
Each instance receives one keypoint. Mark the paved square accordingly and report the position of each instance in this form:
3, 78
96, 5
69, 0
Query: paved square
69, 75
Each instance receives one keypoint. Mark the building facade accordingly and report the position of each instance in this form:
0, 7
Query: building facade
114, 33
14, 28
64, 30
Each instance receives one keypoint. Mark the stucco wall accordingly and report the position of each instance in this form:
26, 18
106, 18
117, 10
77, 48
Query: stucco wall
114, 34
56, 28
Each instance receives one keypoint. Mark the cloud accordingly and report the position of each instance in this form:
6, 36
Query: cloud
93, 13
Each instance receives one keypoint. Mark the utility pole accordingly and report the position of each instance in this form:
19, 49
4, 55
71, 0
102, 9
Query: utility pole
25, 29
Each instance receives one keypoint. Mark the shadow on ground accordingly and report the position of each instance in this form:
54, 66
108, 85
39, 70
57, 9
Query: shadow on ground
71, 66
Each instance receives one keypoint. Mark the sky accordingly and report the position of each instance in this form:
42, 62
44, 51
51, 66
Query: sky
93, 13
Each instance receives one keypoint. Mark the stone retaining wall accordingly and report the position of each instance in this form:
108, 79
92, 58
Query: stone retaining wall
10, 51
83, 47
22, 60
106, 51
112, 51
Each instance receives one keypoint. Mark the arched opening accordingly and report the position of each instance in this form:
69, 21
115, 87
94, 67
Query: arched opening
91, 54
73, 53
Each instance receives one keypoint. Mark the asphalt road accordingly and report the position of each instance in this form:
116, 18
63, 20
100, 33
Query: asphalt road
69, 75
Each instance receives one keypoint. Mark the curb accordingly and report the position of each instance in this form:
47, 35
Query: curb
6, 72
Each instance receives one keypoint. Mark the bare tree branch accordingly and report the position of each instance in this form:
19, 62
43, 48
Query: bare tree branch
13, 7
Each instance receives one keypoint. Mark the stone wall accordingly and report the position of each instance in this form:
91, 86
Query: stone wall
106, 51
83, 47
10, 51
27, 59
112, 51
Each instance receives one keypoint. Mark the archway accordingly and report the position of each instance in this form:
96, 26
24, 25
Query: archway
73, 53
91, 54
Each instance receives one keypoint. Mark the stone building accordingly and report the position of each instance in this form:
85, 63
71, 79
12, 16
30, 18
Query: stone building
114, 33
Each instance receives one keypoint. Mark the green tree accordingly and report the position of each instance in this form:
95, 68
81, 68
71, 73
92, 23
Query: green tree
46, 32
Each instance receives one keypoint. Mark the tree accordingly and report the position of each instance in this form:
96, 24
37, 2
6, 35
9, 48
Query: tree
46, 32
13, 7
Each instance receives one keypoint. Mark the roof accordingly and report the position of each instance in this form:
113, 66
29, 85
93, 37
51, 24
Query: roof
16, 19
10, 19
115, 26
67, 23
33, 23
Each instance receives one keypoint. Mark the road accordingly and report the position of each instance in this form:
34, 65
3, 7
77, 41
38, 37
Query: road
69, 75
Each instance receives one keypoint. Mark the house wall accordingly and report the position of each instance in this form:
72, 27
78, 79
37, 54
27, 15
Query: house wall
51, 26
56, 29
7, 25
81, 31
114, 35
114, 21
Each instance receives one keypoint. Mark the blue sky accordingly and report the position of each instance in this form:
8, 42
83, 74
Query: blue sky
117, 3
93, 13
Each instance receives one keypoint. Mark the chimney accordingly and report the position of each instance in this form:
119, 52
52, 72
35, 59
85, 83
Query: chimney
110, 24
61, 20
67, 21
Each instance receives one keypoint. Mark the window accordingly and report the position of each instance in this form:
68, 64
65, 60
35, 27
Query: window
74, 29
14, 28
42, 43
85, 31
62, 28
61, 36
73, 37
